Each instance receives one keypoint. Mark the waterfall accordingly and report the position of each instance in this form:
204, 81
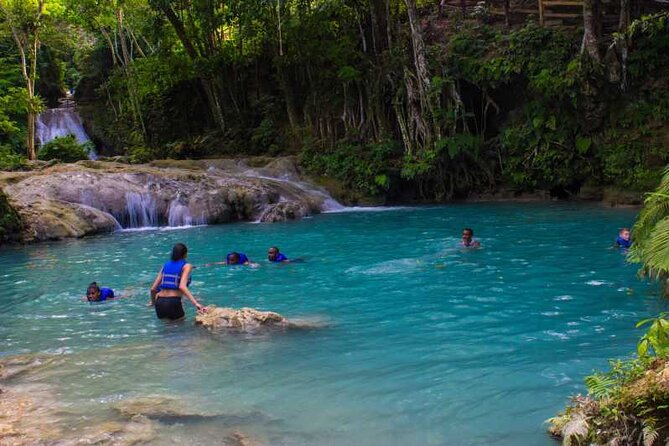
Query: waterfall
179, 214
328, 203
62, 121
141, 210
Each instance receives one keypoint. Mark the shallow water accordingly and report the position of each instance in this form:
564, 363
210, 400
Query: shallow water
426, 343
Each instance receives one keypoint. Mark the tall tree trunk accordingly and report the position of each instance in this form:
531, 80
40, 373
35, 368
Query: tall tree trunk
419, 105
591, 26
27, 40
625, 15
207, 84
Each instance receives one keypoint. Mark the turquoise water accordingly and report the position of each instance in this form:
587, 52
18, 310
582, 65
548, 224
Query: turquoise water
425, 343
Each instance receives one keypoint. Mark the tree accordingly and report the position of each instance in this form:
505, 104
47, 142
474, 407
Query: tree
26, 21
591, 27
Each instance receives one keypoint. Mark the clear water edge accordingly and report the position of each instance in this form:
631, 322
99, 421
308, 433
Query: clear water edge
426, 343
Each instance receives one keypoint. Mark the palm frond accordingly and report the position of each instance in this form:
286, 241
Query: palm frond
655, 252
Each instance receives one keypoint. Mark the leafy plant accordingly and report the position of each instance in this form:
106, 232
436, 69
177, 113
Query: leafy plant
65, 149
651, 233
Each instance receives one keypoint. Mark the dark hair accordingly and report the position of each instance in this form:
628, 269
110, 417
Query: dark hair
470, 230
274, 247
93, 286
179, 252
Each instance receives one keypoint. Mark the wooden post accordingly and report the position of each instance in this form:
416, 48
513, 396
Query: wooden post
541, 12
507, 8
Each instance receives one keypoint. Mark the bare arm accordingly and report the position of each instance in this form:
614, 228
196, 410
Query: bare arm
214, 263
183, 286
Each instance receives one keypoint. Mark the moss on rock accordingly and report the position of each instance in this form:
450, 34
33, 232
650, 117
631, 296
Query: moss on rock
10, 222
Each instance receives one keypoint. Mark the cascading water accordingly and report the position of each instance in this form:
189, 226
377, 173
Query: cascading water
62, 121
141, 210
179, 214
329, 204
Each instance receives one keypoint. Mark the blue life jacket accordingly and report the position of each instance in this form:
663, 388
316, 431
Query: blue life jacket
279, 258
172, 275
622, 243
242, 259
106, 293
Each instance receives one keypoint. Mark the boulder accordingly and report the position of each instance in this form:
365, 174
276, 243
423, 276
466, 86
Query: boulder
245, 319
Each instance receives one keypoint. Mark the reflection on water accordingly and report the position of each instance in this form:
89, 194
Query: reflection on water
426, 343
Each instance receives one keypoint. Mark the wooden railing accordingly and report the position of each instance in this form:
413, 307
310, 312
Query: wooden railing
561, 13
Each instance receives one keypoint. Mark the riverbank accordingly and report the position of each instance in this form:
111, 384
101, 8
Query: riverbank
57, 201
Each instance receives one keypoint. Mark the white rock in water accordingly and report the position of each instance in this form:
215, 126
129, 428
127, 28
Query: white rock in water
245, 319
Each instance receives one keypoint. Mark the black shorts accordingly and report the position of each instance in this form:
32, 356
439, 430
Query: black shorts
169, 308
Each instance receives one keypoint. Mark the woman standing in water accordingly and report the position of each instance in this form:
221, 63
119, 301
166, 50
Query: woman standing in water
171, 285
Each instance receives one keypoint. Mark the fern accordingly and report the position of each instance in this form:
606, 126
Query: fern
599, 386
576, 429
650, 433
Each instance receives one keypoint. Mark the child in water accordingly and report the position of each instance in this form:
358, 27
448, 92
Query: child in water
623, 240
468, 239
96, 294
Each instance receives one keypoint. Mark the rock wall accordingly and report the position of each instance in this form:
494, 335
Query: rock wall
74, 200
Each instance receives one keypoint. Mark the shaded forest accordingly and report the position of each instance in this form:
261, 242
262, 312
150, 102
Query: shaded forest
391, 100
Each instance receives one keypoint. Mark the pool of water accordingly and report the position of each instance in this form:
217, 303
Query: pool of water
425, 343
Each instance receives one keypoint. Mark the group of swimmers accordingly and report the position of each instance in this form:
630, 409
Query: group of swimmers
174, 278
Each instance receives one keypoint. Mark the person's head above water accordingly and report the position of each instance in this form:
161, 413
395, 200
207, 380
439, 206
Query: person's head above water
179, 252
237, 258
272, 253
624, 233
93, 292
468, 238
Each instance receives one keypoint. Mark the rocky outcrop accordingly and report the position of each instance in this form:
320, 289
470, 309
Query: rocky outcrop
247, 320
73, 200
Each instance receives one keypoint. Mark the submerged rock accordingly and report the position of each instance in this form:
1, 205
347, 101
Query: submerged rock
73, 200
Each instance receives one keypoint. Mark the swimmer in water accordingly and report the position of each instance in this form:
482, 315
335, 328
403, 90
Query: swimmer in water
468, 239
234, 258
96, 294
171, 284
275, 256
623, 240
237, 258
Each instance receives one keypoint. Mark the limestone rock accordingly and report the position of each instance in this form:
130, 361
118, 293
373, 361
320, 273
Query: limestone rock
90, 197
245, 319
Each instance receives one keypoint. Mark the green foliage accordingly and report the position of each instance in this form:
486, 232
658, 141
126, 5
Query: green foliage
363, 168
629, 404
141, 154
651, 233
65, 149
656, 339
10, 160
